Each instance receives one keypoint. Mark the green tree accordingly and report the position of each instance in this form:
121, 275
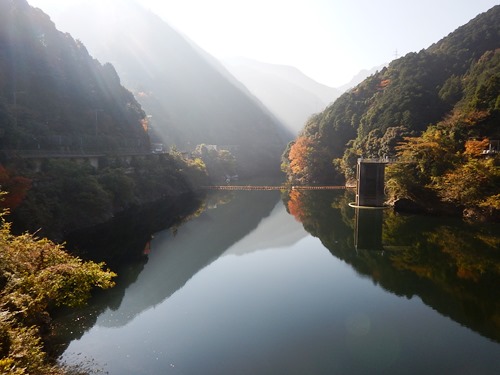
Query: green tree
120, 186
218, 163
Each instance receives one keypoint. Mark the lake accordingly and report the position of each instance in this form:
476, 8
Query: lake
263, 282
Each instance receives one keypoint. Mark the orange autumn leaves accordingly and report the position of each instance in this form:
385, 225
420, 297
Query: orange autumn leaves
298, 154
475, 148
295, 205
309, 162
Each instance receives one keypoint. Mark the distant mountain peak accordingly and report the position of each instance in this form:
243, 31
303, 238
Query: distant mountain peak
288, 93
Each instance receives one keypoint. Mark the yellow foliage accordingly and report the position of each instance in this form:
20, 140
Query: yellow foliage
35, 274
491, 201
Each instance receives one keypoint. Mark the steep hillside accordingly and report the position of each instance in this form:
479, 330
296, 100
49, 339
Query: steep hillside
55, 96
402, 100
288, 93
57, 105
360, 77
190, 100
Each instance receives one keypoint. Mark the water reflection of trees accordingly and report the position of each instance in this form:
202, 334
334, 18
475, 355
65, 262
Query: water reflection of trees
452, 266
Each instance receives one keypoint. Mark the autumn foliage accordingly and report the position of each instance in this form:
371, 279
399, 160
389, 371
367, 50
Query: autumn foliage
298, 155
474, 148
36, 275
15, 186
295, 205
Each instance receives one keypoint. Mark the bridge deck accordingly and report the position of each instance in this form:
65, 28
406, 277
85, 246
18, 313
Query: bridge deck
279, 187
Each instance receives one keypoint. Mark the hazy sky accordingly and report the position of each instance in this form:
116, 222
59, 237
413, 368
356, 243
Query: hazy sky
328, 40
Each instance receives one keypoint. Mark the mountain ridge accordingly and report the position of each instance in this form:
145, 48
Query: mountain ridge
288, 93
57, 96
190, 100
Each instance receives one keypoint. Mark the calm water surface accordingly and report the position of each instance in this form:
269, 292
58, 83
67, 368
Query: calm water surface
243, 288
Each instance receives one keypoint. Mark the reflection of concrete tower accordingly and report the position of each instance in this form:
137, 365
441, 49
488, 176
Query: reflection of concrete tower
368, 230
370, 189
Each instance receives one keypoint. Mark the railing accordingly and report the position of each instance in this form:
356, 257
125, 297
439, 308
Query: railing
386, 160
277, 187
31, 154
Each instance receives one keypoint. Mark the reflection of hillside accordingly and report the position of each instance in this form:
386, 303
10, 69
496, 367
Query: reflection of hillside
452, 267
122, 244
123, 240
175, 258
274, 231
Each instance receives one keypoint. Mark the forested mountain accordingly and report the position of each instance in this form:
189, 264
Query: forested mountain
58, 107
288, 93
438, 102
191, 100
54, 95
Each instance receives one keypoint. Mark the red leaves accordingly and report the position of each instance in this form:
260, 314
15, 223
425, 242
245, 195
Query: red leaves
16, 188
